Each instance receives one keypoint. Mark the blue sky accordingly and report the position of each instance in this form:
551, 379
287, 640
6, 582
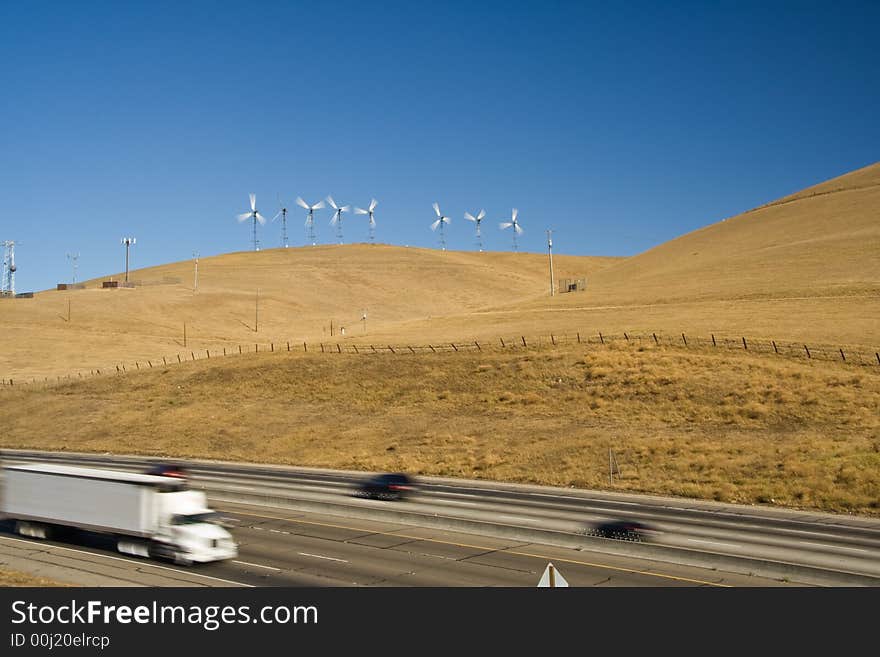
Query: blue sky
618, 125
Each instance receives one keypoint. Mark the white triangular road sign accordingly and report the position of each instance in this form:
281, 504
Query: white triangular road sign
552, 577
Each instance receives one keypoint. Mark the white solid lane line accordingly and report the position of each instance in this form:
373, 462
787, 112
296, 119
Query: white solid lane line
142, 564
256, 565
318, 556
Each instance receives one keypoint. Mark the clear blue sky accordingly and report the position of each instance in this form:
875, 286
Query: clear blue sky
619, 125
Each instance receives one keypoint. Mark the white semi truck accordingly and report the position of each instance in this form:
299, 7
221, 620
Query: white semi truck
149, 516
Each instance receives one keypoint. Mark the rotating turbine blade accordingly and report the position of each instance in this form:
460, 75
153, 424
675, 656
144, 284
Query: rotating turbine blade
344, 208
519, 231
435, 224
302, 203
469, 216
360, 211
505, 224
276, 216
253, 198
481, 215
437, 209
244, 215
335, 218
445, 220
373, 204
317, 206
513, 214
332, 202
372, 221
260, 218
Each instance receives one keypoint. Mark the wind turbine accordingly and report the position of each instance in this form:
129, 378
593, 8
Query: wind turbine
310, 220
477, 220
516, 227
369, 211
337, 216
441, 221
283, 214
256, 216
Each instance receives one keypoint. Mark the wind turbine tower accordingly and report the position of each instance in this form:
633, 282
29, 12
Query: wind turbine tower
310, 220
283, 214
369, 211
441, 221
517, 230
337, 216
256, 216
477, 220
7, 284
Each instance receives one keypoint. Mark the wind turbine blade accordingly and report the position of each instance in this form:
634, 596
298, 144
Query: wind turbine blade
372, 221
244, 215
253, 201
344, 208
373, 204
445, 220
260, 218
332, 202
481, 215
302, 203
317, 206
437, 209
360, 211
505, 224
435, 224
519, 231
513, 215
334, 218
276, 216
469, 216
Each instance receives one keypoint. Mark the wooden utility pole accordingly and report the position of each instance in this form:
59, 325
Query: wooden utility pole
257, 311
184, 334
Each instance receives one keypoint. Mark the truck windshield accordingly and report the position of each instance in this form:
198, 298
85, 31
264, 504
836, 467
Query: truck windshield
195, 518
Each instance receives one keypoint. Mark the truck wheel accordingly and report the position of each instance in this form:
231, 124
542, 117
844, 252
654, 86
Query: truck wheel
32, 529
182, 560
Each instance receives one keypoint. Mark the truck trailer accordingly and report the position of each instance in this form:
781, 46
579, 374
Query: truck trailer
149, 516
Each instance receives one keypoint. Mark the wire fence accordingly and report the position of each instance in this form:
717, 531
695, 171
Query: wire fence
844, 355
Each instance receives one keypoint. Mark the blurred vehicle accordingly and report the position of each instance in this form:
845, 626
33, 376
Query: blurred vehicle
395, 486
148, 516
167, 470
623, 530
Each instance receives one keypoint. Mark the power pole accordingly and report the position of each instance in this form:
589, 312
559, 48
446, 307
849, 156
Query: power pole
257, 312
550, 253
127, 241
196, 275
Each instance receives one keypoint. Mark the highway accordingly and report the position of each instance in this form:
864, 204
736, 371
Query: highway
300, 527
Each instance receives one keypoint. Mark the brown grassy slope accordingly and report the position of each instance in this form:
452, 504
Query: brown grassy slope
301, 291
804, 268
14, 578
724, 425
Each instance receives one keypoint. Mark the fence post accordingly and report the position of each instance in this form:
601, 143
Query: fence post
625, 336
502, 343
355, 349
411, 349
178, 360
137, 365
373, 348
808, 351
123, 367
453, 346
713, 341
842, 357
655, 338
272, 347
684, 339
392, 349
601, 339
150, 363
553, 339
208, 352
479, 348
524, 341
256, 348
305, 348
117, 370
288, 345
745, 345
774, 346
164, 362
192, 353
224, 351
579, 337
239, 349
338, 348
432, 348
322, 347
877, 354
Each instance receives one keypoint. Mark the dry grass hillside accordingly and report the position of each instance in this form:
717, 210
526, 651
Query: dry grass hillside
301, 290
702, 422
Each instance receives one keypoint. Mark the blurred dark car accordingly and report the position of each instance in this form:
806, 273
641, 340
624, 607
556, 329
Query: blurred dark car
167, 470
396, 486
623, 530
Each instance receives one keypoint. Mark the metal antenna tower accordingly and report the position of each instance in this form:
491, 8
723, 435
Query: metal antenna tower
310, 220
283, 214
73, 259
127, 241
7, 284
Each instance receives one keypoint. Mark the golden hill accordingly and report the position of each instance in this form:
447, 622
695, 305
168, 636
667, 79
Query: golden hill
286, 294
